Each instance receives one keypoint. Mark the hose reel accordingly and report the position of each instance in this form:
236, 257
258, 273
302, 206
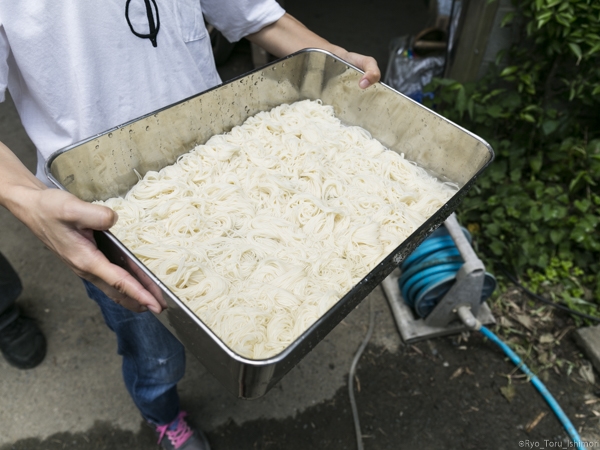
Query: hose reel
441, 275
431, 270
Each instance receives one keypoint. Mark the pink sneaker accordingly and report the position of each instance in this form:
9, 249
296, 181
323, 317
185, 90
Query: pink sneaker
178, 435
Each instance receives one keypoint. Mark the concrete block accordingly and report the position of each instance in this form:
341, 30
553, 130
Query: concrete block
589, 339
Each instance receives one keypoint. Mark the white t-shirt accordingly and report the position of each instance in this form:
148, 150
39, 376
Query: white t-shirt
74, 68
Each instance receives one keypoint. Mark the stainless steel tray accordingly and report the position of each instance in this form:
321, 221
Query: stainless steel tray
104, 166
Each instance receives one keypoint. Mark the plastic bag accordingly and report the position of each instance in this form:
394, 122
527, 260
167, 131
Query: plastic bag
407, 72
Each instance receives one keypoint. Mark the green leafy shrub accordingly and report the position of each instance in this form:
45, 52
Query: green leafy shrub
537, 207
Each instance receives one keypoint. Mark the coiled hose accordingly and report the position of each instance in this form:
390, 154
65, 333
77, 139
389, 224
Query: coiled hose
430, 271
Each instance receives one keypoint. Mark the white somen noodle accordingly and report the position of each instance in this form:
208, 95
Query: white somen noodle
262, 229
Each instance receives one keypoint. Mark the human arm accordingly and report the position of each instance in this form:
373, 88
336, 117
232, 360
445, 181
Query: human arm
65, 225
287, 35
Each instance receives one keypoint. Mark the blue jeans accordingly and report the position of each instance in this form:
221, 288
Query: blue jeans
153, 359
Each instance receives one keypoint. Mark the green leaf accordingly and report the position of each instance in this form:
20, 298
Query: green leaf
497, 171
576, 49
470, 107
497, 247
590, 221
560, 212
591, 37
542, 22
547, 211
564, 22
557, 236
508, 18
545, 15
528, 118
492, 94
515, 175
511, 101
499, 56
445, 81
576, 180
535, 213
494, 111
578, 235
536, 162
550, 126
582, 205
533, 108
553, 211
509, 71
526, 79
493, 229
594, 49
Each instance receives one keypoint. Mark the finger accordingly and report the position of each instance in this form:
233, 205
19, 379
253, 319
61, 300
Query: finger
369, 65
118, 298
87, 215
123, 288
372, 74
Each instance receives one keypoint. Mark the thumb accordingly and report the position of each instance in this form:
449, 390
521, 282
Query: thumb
85, 215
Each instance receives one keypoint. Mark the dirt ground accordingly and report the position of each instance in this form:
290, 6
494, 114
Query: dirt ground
445, 393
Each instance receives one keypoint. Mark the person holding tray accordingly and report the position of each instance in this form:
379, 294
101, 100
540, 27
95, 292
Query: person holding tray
75, 69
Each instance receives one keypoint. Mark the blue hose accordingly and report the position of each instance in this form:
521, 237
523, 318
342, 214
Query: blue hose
578, 443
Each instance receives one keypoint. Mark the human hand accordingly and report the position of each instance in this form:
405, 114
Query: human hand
367, 64
65, 225
288, 35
